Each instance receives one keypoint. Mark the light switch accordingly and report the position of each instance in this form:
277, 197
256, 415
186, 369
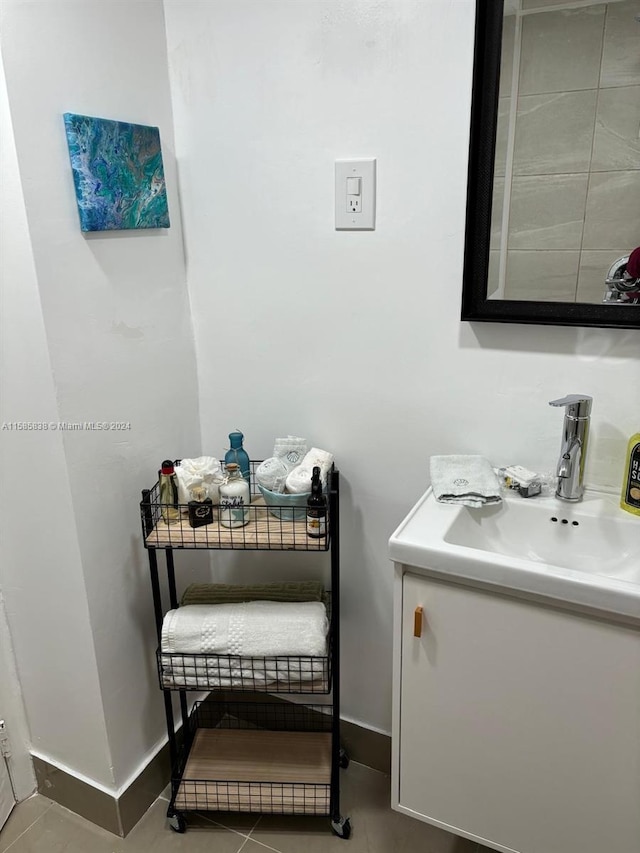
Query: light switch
355, 195
353, 186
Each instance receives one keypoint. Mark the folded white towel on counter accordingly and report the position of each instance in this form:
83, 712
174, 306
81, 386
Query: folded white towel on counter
247, 629
464, 480
299, 480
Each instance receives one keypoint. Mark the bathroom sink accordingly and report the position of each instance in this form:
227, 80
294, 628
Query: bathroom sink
586, 553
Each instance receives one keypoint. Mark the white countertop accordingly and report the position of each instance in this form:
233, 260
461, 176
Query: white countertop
585, 554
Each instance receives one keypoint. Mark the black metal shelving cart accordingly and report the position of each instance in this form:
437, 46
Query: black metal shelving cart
237, 754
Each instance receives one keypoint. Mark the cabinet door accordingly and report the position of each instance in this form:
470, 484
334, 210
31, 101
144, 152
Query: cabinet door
519, 724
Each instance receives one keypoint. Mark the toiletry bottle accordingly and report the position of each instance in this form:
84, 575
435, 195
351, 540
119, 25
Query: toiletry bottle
200, 507
234, 498
630, 497
238, 454
316, 508
169, 493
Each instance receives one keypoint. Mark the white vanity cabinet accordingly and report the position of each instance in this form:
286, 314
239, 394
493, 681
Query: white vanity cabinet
516, 723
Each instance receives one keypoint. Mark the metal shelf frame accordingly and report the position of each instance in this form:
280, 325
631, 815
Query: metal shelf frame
293, 538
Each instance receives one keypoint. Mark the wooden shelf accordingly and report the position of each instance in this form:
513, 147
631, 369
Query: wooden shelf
263, 532
243, 770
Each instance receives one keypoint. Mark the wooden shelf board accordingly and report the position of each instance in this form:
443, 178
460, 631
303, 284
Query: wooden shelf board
267, 771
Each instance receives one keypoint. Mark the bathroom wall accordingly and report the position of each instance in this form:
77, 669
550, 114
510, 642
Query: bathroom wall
99, 330
354, 339
572, 153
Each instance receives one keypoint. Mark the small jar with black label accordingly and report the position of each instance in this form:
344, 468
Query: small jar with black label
200, 508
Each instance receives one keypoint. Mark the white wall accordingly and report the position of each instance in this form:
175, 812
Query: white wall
40, 570
23, 780
354, 339
100, 331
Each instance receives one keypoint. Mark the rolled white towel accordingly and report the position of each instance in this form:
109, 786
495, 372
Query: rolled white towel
272, 474
299, 480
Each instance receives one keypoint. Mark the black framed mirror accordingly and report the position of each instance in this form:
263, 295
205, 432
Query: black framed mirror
535, 249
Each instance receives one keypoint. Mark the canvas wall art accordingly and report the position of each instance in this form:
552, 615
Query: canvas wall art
118, 174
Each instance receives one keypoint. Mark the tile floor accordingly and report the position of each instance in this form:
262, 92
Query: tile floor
39, 825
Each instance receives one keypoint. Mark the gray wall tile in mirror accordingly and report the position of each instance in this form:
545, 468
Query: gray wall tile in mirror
547, 211
549, 276
568, 162
613, 210
590, 272
621, 48
617, 136
560, 50
554, 133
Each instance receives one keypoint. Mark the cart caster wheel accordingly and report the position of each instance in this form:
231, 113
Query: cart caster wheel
344, 759
178, 823
341, 827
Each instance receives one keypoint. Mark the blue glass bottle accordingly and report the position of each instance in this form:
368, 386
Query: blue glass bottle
238, 454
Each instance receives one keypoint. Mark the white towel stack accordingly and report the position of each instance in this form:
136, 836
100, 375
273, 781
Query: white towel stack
464, 480
278, 638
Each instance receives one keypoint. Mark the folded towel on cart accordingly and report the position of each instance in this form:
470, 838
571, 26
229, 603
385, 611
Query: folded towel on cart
247, 629
233, 671
226, 593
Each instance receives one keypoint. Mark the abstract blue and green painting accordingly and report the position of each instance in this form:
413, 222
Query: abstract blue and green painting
118, 173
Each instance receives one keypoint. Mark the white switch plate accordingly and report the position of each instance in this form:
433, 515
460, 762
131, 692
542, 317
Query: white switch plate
356, 213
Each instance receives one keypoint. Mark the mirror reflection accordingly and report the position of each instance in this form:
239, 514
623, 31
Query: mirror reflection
566, 194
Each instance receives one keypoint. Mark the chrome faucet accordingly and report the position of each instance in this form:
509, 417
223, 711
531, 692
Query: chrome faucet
573, 451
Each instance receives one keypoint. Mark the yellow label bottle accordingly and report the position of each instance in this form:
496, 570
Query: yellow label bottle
630, 497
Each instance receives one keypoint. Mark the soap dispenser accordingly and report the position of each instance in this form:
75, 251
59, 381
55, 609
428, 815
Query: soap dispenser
630, 497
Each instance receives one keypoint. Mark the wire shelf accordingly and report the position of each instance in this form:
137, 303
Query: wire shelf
256, 757
273, 674
267, 528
